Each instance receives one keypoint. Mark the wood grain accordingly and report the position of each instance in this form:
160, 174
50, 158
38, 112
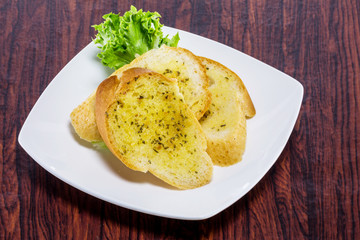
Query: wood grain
313, 190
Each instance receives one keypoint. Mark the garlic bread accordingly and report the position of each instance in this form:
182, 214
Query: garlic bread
224, 123
143, 119
172, 62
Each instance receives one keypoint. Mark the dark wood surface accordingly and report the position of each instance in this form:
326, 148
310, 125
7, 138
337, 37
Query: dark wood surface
313, 190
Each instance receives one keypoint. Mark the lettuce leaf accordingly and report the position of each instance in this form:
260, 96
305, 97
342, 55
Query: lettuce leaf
123, 38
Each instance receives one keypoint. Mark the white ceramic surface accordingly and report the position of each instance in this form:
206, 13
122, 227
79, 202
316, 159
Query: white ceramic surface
47, 136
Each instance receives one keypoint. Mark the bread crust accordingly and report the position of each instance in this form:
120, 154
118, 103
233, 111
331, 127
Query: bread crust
83, 120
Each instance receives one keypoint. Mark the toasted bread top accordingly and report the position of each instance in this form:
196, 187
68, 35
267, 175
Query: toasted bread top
221, 71
143, 119
183, 65
225, 121
176, 63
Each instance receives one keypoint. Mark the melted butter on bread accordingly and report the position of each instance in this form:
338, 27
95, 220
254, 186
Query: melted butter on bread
172, 62
149, 127
225, 121
183, 65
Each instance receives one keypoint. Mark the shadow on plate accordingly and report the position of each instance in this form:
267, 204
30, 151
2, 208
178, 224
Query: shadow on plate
117, 167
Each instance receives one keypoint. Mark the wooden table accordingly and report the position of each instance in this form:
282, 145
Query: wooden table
312, 191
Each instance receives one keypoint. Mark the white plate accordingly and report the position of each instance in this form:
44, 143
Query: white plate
47, 136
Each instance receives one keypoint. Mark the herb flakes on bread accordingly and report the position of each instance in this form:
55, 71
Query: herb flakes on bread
183, 65
143, 119
225, 121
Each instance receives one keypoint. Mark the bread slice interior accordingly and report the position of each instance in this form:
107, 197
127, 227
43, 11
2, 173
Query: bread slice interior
143, 119
225, 121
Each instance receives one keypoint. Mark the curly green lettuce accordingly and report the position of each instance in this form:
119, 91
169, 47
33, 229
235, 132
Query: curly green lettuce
123, 38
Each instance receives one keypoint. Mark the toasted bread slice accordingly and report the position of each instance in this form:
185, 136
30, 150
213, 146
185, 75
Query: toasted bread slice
83, 120
172, 62
225, 122
183, 65
143, 119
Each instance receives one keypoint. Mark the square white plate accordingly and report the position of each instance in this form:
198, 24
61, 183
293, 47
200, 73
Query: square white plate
47, 136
